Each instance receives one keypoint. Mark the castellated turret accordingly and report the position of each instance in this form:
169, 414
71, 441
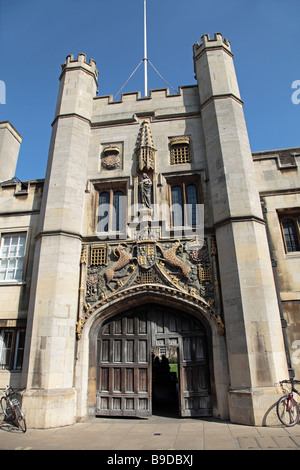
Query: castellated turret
213, 57
249, 296
69, 143
78, 86
58, 247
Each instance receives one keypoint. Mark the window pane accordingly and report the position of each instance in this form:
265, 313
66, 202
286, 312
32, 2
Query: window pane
5, 349
19, 263
10, 274
21, 249
103, 212
18, 275
12, 263
118, 210
290, 235
14, 240
177, 206
191, 198
6, 240
5, 251
19, 349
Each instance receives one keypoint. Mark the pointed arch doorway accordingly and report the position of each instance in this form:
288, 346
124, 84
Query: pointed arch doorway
149, 356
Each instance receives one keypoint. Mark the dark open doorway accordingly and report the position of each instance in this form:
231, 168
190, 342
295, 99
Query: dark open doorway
165, 381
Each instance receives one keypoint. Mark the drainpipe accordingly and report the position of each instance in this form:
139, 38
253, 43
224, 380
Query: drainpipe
283, 320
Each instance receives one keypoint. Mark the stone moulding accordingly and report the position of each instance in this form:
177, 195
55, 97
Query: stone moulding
191, 297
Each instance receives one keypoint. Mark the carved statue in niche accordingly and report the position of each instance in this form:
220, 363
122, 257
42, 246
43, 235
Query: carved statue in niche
146, 189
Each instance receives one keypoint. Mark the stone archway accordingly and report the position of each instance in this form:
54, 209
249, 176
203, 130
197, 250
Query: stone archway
105, 311
126, 380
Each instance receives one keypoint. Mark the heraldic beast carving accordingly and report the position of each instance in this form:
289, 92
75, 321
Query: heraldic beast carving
124, 259
180, 265
147, 261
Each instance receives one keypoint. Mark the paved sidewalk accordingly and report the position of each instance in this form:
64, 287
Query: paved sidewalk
155, 433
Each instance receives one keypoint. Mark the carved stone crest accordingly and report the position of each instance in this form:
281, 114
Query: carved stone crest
111, 159
146, 254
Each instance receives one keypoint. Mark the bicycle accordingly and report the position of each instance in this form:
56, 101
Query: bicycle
287, 407
12, 409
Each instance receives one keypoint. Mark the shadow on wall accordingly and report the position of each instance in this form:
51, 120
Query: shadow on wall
270, 418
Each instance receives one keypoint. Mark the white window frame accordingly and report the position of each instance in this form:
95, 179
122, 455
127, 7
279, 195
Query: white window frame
14, 261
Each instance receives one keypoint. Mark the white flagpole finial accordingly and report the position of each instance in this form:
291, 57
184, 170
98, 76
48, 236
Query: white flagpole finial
145, 51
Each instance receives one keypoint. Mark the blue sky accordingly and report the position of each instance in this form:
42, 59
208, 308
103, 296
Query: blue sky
37, 35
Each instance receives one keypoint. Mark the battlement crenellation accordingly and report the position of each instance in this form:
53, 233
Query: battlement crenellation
135, 96
80, 61
206, 42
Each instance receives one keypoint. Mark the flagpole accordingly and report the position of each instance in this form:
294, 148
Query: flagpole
145, 51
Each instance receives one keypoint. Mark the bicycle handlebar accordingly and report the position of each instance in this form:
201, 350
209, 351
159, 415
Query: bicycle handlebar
9, 390
290, 381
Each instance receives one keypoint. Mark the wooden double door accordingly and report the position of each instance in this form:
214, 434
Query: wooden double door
129, 347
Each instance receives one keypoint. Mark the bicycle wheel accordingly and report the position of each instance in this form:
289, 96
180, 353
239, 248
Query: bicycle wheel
287, 411
7, 409
20, 418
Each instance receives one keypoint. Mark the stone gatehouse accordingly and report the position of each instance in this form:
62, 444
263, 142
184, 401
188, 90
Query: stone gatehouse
158, 261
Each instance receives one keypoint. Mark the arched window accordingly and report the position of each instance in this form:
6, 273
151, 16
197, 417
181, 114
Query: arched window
291, 233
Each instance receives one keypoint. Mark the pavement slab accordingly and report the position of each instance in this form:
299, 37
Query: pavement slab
157, 433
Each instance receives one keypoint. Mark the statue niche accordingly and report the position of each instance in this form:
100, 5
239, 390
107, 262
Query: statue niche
145, 186
145, 170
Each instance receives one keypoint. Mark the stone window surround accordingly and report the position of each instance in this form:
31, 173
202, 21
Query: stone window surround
182, 181
180, 150
110, 186
294, 215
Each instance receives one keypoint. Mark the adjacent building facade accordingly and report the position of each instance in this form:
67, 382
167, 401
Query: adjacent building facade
155, 236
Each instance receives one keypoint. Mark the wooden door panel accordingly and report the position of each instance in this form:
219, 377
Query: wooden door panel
143, 380
124, 385
142, 351
195, 387
129, 351
129, 380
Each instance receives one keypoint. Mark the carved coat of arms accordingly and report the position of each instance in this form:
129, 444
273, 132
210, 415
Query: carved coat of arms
146, 254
